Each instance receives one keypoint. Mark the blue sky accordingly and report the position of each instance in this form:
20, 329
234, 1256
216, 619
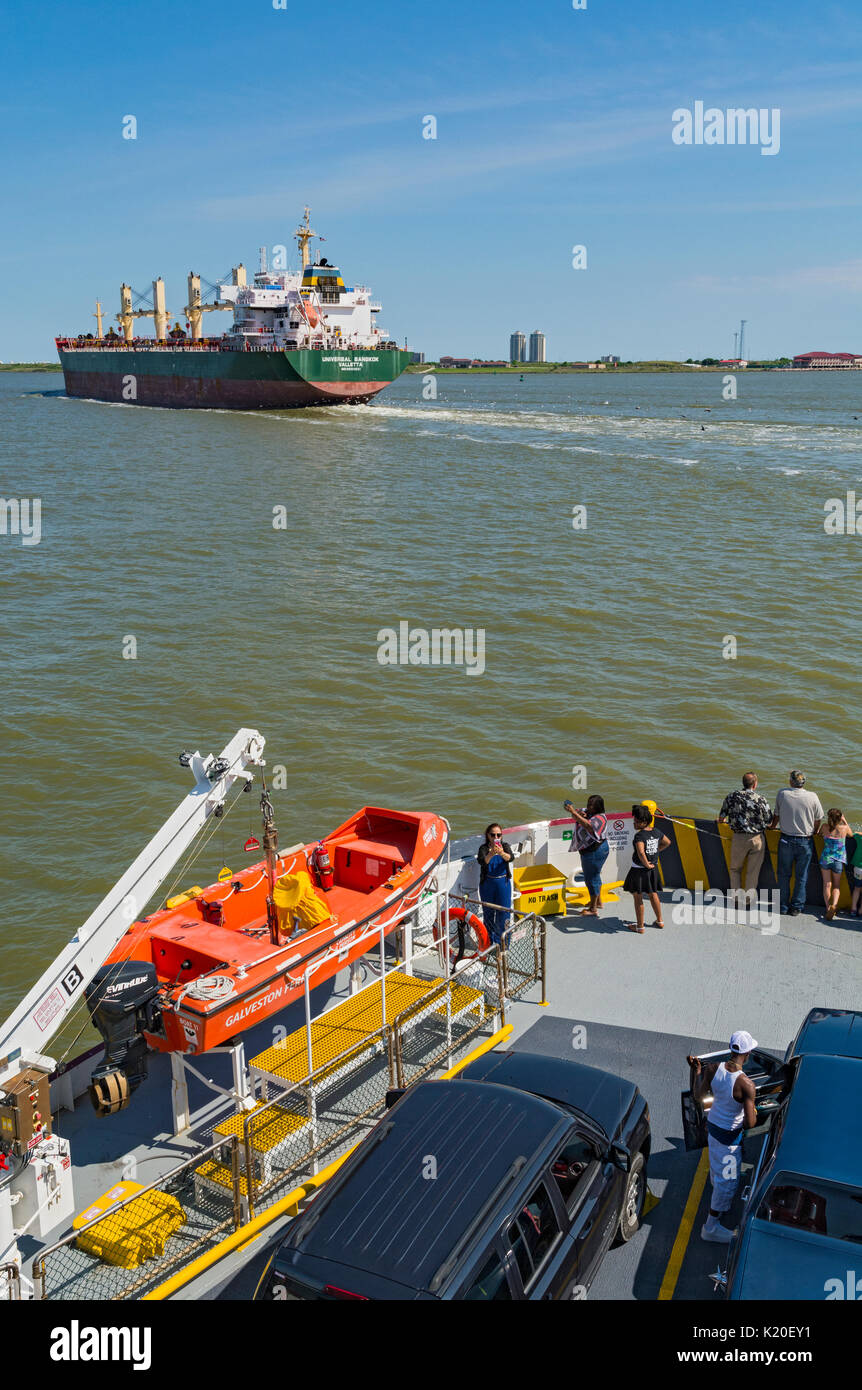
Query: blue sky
553, 129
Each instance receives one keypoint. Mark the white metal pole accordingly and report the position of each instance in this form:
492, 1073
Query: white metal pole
382, 978
308, 1021
407, 929
179, 1093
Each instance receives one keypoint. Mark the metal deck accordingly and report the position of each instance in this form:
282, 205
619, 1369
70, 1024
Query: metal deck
633, 1004
636, 1005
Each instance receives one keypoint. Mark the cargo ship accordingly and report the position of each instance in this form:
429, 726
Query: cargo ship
298, 339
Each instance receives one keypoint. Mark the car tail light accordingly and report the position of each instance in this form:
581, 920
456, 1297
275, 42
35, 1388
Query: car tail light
332, 1291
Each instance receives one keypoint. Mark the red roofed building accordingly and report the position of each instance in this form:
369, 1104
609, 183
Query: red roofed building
828, 359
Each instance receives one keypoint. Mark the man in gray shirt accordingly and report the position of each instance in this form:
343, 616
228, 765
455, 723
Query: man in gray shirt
798, 814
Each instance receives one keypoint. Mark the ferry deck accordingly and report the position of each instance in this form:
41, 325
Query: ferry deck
631, 1004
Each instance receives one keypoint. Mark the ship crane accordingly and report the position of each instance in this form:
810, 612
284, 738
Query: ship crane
127, 315
195, 309
35, 1168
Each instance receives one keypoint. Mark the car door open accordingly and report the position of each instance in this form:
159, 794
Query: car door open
771, 1082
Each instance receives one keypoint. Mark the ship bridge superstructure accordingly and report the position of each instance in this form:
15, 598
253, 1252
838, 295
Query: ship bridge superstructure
311, 308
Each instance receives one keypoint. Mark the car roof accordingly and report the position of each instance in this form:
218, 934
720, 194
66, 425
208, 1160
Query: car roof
822, 1135
600, 1095
778, 1263
392, 1213
833, 1032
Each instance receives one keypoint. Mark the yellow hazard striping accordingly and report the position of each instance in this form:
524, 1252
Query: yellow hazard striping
650, 1201
674, 1264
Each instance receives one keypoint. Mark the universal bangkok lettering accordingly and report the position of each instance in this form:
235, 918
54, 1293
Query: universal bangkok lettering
437, 646
735, 126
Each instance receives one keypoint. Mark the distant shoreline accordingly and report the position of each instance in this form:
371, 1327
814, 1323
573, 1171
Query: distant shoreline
527, 369
561, 370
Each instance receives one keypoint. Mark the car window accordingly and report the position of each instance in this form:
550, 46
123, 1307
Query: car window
490, 1283
809, 1204
533, 1232
570, 1165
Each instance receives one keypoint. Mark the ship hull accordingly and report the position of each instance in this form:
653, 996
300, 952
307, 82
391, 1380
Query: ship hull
219, 379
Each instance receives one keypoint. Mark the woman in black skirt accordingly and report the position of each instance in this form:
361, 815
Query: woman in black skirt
642, 877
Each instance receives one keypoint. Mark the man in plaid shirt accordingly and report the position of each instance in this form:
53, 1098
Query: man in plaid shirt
748, 815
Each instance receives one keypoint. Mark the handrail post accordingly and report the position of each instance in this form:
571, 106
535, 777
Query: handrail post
543, 954
308, 1020
501, 984
248, 1119
235, 1180
382, 977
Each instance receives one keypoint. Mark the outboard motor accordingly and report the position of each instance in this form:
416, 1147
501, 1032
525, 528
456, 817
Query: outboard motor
123, 1002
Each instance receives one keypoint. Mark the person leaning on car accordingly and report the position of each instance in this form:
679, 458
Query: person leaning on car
798, 813
748, 814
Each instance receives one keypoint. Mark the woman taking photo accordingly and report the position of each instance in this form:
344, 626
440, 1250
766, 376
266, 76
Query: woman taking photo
592, 844
495, 881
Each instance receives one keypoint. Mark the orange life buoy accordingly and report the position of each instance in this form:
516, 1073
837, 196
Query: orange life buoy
463, 918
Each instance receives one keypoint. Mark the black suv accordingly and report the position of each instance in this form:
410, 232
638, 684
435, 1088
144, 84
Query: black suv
510, 1182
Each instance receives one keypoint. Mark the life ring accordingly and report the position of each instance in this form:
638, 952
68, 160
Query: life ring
463, 919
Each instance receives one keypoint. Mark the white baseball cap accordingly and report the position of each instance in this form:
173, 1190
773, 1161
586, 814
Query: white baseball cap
742, 1042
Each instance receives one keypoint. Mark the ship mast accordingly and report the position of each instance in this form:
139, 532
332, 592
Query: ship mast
270, 850
303, 234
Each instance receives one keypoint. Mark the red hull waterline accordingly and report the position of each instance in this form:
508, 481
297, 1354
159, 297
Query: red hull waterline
220, 393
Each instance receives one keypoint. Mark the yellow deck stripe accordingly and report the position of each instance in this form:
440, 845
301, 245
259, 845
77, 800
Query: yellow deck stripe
688, 844
674, 1264
726, 840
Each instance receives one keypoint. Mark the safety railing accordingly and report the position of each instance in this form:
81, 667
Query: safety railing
297, 1127
136, 1242
311, 1120
254, 1158
430, 1033
525, 956
524, 949
10, 1282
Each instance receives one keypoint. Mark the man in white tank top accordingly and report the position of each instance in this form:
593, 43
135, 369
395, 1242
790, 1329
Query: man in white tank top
733, 1111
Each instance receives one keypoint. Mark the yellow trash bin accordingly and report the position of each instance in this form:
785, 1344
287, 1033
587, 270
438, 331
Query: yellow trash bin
540, 888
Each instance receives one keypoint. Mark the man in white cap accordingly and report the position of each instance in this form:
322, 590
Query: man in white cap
732, 1111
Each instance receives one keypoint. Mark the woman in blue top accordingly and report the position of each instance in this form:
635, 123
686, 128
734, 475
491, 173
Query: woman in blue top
834, 858
495, 881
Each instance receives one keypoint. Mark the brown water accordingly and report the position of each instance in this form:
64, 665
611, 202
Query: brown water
603, 647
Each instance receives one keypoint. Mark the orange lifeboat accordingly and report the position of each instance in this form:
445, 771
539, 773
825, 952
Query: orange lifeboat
225, 960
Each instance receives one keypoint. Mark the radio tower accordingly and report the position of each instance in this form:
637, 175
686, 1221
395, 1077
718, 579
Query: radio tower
742, 323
